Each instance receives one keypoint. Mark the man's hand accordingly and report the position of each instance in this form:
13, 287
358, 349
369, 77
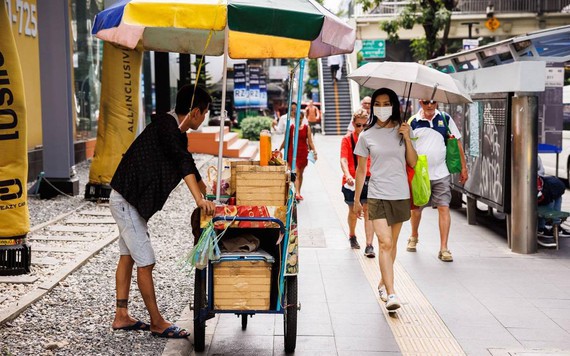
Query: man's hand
350, 180
207, 206
463, 176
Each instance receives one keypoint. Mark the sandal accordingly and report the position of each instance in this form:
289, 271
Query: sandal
445, 256
412, 242
138, 325
172, 332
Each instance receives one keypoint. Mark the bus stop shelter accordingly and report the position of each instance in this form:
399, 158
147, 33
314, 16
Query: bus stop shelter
516, 87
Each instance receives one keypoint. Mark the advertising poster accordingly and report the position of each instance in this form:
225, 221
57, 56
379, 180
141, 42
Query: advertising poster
254, 94
262, 91
240, 86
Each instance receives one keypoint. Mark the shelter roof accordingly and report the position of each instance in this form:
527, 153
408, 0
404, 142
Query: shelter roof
551, 45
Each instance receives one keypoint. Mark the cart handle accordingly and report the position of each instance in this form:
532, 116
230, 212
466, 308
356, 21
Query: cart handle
246, 218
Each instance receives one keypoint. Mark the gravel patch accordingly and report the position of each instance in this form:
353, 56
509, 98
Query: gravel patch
75, 317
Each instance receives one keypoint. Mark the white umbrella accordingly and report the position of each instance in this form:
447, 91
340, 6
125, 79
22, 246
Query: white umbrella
412, 80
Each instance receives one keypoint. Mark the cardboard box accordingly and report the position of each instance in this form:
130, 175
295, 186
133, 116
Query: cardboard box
259, 185
242, 285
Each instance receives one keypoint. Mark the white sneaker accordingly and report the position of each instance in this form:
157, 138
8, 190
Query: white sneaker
383, 294
393, 302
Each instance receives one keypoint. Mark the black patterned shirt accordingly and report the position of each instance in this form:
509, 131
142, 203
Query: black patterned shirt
153, 165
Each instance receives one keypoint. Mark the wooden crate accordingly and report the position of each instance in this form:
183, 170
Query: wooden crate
257, 185
242, 285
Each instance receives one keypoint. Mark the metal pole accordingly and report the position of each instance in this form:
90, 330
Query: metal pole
523, 172
223, 115
297, 116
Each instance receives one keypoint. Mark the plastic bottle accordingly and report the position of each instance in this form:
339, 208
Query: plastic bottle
264, 147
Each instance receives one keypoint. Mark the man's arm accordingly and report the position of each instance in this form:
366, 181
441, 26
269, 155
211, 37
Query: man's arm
197, 189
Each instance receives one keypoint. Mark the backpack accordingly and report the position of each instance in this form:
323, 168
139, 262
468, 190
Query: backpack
549, 188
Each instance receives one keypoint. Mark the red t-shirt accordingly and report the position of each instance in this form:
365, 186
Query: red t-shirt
346, 151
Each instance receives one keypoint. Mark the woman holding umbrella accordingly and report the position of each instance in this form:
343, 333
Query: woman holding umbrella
387, 140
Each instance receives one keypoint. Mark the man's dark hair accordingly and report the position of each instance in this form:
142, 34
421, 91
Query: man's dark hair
184, 99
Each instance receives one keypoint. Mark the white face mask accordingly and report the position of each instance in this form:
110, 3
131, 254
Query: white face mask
383, 113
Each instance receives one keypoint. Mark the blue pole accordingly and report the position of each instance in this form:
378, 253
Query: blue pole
298, 114
288, 123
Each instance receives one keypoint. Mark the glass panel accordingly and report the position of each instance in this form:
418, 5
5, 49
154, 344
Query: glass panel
87, 56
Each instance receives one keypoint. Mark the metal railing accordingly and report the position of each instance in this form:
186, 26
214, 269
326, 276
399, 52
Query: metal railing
480, 6
512, 6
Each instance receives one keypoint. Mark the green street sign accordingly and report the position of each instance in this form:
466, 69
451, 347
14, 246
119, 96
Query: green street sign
373, 49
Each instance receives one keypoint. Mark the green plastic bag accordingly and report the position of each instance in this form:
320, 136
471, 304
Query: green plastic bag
452, 154
421, 187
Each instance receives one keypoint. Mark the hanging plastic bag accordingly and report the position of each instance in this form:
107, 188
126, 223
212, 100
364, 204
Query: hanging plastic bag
206, 249
225, 187
421, 188
452, 152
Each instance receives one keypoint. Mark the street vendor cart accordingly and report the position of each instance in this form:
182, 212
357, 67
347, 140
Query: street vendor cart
262, 277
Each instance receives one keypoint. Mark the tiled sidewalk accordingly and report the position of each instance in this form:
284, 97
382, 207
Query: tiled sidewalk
489, 301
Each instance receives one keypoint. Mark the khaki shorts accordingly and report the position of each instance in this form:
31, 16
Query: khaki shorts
394, 211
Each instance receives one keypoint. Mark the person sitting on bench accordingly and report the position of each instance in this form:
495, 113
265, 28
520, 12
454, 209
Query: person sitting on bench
550, 194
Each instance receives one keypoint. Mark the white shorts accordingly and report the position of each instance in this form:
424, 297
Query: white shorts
134, 239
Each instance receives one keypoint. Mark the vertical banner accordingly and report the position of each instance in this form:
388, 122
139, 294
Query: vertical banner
240, 86
118, 112
14, 215
262, 91
254, 72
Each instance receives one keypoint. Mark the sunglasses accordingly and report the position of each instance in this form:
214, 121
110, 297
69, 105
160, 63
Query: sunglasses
427, 102
359, 125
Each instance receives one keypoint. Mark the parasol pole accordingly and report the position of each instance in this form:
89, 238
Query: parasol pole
288, 121
433, 92
297, 117
223, 115
407, 100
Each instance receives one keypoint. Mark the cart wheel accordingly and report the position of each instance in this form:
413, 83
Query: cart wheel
244, 321
290, 314
199, 304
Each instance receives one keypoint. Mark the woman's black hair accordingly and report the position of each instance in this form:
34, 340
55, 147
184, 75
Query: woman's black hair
372, 120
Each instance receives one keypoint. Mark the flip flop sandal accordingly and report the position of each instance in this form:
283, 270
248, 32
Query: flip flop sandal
172, 332
139, 325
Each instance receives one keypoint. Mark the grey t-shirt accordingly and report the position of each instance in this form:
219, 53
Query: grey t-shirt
388, 177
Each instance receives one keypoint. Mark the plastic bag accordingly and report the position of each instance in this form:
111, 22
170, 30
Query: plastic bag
421, 188
225, 187
206, 249
453, 155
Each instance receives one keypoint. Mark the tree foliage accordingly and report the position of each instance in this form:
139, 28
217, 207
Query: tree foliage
433, 15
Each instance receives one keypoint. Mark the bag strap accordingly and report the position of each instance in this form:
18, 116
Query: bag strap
445, 121
353, 147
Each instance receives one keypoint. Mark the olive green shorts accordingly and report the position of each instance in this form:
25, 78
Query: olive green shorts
394, 211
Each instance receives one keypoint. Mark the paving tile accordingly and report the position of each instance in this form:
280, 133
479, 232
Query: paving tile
492, 333
241, 344
368, 353
550, 303
358, 307
345, 343
259, 324
324, 344
553, 333
562, 346
360, 325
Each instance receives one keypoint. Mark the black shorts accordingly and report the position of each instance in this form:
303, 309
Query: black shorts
349, 194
